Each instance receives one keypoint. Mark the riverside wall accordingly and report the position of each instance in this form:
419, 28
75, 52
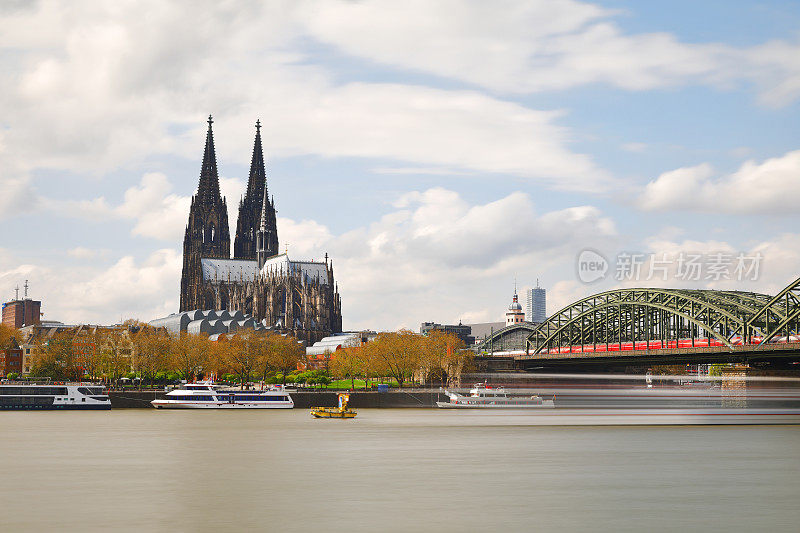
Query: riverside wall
305, 399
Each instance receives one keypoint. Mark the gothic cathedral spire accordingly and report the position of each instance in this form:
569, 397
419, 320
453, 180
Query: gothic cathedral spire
208, 188
207, 233
244, 246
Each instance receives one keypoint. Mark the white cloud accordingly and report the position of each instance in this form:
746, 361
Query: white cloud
94, 89
775, 263
436, 256
306, 238
522, 47
80, 252
439, 257
755, 188
232, 190
88, 293
155, 211
158, 213
431, 171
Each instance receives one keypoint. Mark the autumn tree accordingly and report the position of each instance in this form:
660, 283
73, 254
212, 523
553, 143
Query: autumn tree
349, 363
263, 343
285, 352
55, 358
443, 356
218, 360
150, 352
244, 355
113, 362
189, 354
6, 334
398, 352
90, 346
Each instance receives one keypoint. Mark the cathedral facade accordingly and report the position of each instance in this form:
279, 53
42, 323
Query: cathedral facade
300, 298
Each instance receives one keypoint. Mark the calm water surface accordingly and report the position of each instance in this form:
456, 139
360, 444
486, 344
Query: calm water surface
388, 470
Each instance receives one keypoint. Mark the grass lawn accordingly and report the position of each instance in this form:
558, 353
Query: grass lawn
346, 384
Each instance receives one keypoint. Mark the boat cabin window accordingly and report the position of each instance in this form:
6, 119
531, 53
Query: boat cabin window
191, 398
90, 391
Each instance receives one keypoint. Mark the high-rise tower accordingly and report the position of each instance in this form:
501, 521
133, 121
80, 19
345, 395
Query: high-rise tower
207, 232
536, 308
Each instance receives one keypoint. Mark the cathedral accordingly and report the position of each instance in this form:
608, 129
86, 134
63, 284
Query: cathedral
300, 298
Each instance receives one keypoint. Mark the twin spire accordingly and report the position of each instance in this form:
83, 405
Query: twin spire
256, 228
209, 176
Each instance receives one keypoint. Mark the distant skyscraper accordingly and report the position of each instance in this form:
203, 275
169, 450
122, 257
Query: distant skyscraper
536, 308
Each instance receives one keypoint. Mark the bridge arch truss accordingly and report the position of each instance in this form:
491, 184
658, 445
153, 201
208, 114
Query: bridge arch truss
644, 315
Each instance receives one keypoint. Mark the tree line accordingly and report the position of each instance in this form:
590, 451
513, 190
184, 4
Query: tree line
153, 356
405, 356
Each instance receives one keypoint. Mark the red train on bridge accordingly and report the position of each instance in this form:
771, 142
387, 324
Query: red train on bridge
665, 345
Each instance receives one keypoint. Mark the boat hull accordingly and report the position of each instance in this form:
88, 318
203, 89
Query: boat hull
167, 404
55, 407
332, 413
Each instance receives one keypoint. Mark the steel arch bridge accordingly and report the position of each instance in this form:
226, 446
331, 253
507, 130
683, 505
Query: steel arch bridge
635, 318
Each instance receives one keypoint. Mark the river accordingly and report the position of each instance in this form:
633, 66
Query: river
388, 470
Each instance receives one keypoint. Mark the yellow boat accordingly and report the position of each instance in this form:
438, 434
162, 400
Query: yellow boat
335, 412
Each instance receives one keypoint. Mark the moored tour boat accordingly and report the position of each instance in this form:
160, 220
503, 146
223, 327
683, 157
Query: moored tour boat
482, 396
39, 396
210, 396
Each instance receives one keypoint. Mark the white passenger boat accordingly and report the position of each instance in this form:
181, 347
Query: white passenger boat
20, 395
482, 396
210, 396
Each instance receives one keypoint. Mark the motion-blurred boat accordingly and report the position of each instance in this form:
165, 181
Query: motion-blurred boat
482, 396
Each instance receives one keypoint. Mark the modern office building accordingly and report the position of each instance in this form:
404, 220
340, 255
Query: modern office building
536, 307
461, 331
22, 312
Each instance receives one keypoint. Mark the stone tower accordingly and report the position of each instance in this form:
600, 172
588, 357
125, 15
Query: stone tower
250, 207
207, 232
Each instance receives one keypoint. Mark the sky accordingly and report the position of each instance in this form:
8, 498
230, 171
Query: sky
439, 152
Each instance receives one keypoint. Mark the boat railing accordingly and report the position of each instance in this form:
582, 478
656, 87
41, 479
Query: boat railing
49, 381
